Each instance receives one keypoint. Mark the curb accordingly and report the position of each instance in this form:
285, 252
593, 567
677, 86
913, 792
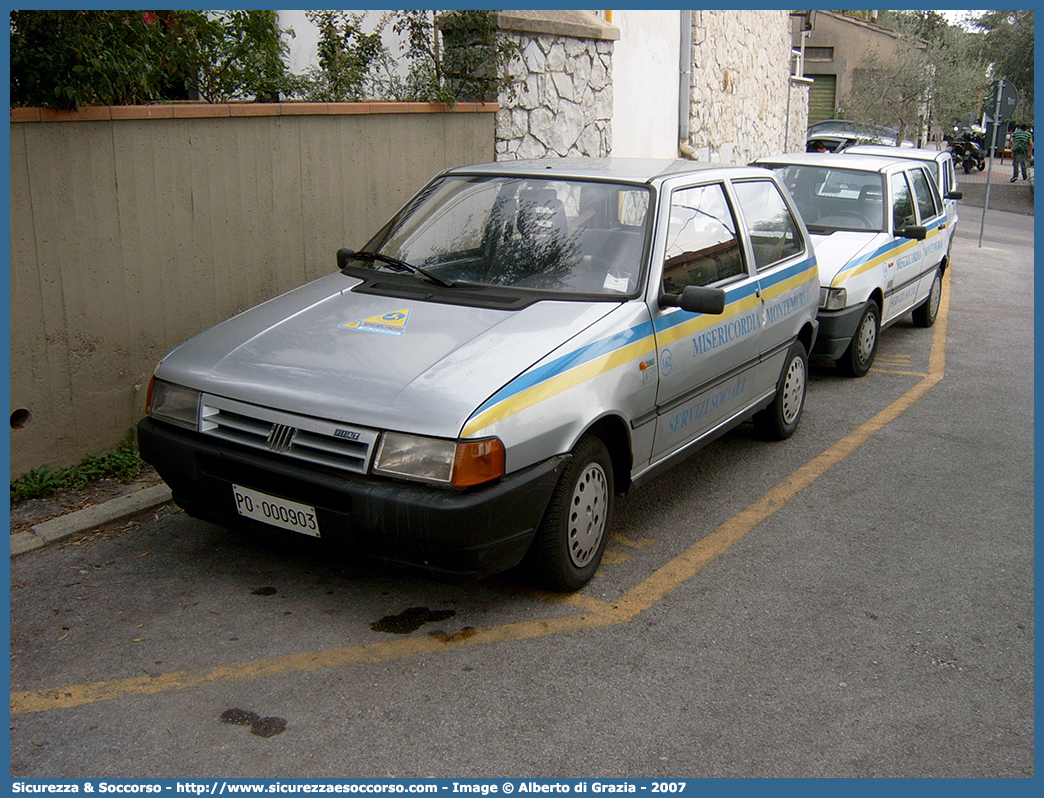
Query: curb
72, 524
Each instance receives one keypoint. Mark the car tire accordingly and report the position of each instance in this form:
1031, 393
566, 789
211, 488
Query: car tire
924, 315
859, 357
568, 546
778, 421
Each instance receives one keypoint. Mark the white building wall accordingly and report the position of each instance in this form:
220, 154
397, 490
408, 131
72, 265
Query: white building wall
304, 44
646, 70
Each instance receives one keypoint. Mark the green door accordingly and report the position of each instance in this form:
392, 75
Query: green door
821, 96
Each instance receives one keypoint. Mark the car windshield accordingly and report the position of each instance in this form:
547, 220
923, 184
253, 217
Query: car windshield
568, 236
831, 198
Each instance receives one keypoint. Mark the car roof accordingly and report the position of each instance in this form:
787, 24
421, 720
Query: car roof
862, 163
843, 130
632, 170
849, 125
917, 153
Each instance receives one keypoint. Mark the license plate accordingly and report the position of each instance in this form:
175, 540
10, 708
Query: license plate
275, 511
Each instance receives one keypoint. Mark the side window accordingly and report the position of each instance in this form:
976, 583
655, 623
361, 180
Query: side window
702, 247
951, 177
773, 230
902, 204
926, 193
942, 179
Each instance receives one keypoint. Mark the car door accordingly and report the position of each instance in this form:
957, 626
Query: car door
780, 254
708, 364
931, 214
947, 186
915, 202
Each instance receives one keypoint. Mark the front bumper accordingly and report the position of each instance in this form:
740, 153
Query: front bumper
438, 532
836, 328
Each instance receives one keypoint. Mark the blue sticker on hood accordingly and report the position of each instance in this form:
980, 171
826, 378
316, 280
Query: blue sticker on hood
393, 323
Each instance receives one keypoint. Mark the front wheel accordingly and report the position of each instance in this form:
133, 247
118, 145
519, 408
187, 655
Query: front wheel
569, 544
925, 314
779, 420
859, 357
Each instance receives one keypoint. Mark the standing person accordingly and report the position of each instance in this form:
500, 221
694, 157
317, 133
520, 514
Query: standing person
1021, 150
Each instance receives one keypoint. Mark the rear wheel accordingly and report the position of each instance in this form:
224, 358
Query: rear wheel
859, 357
926, 313
779, 420
569, 544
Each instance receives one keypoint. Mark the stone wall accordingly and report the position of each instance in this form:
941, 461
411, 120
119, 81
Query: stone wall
797, 115
563, 104
743, 103
740, 85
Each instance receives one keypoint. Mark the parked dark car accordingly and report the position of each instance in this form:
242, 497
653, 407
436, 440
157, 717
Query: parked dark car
835, 135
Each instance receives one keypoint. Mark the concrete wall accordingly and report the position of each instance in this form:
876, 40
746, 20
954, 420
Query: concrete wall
129, 236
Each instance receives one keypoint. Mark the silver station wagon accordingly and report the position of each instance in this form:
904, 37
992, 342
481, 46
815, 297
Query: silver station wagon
520, 343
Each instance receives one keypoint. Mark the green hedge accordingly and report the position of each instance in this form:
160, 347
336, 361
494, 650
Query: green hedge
67, 59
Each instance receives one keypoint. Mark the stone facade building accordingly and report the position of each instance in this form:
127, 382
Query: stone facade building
741, 87
731, 73
563, 105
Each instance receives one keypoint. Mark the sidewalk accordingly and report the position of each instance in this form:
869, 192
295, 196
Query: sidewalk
59, 524
1001, 174
1014, 197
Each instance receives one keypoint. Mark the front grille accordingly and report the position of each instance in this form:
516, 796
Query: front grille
312, 440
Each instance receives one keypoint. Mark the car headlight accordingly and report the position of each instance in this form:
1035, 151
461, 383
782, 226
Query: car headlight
172, 403
832, 298
437, 461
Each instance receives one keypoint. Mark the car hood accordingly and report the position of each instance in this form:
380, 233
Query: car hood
845, 248
325, 351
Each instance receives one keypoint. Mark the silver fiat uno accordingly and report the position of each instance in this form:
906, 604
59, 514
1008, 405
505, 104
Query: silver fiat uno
520, 343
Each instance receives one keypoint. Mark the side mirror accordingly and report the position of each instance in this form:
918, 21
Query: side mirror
696, 299
954, 195
343, 257
913, 231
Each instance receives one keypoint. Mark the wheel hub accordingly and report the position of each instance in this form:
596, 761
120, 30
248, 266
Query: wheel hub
867, 337
793, 390
587, 509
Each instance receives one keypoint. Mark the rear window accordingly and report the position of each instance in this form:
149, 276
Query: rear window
831, 198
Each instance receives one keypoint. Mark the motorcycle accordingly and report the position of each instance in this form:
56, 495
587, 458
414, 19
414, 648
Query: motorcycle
968, 154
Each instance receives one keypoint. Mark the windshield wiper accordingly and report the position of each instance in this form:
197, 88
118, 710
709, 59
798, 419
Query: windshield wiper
345, 255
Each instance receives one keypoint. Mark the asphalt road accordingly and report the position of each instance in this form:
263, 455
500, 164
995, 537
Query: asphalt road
856, 601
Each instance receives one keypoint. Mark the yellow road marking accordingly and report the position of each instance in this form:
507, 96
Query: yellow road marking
592, 613
644, 543
900, 372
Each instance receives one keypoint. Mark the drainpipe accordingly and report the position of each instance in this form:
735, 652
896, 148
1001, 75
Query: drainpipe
685, 85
